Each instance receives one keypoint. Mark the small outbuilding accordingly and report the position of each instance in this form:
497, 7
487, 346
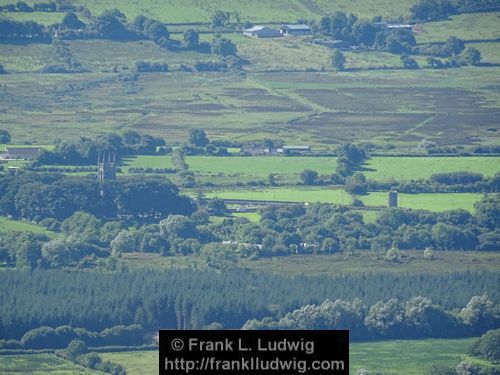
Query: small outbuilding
262, 32
296, 30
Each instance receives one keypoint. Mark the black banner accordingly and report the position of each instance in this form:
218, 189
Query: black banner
254, 352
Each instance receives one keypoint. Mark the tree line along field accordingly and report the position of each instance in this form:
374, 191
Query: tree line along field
392, 357
242, 168
319, 109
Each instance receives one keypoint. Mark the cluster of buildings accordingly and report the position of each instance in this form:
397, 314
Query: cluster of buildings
20, 153
261, 31
285, 30
296, 149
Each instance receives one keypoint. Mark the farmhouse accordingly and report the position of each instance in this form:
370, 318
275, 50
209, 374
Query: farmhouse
21, 153
262, 32
296, 30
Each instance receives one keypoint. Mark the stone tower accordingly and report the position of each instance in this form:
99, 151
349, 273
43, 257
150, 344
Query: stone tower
106, 169
392, 198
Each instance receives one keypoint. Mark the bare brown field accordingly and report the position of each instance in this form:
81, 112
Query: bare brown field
319, 109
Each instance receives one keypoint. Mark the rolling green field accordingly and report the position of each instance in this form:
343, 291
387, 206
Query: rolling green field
7, 225
490, 52
412, 168
409, 357
243, 168
254, 217
299, 54
311, 195
464, 26
432, 202
104, 55
254, 10
22, 58
287, 54
45, 18
377, 59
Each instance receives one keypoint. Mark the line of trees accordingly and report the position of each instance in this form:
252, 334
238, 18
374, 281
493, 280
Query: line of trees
59, 337
454, 182
185, 299
78, 352
415, 318
22, 6
18, 30
85, 151
430, 10
39, 196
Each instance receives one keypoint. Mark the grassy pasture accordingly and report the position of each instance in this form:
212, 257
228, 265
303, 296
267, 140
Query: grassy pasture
25, 57
297, 194
375, 59
287, 54
173, 11
369, 216
412, 168
298, 54
469, 26
490, 51
431, 202
104, 55
409, 357
254, 217
7, 225
44, 18
243, 168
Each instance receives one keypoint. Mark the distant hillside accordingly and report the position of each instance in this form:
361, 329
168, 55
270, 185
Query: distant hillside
177, 11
